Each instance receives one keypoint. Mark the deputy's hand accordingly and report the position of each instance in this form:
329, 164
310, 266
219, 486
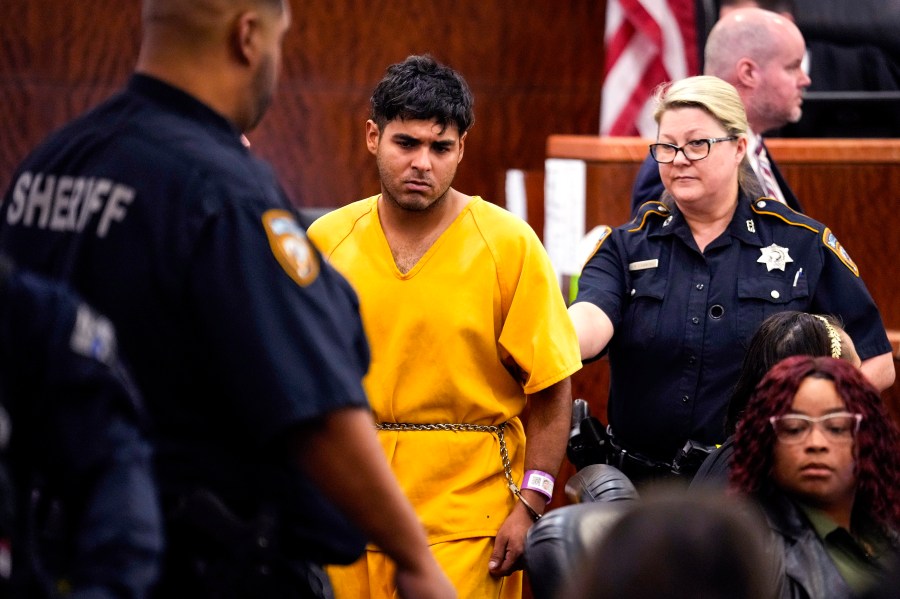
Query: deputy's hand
509, 546
427, 581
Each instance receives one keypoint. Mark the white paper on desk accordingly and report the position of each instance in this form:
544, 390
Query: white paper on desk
516, 202
564, 197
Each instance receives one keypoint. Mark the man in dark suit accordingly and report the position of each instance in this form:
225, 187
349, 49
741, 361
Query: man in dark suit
760, 53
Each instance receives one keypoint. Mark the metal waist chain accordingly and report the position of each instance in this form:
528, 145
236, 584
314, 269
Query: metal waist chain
476, 428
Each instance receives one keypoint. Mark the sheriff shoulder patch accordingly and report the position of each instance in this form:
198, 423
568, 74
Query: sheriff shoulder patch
93, 335
290, 246
834, 245
595, 238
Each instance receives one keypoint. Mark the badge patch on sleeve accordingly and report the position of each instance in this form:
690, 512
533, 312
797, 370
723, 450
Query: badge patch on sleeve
595, 239
93, 335
834, 245
290, 246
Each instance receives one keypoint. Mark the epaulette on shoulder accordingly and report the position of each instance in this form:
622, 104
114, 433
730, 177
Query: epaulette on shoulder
767, 207
646, 211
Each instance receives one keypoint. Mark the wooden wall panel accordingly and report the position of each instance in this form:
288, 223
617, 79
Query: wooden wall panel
58, 58
535, 68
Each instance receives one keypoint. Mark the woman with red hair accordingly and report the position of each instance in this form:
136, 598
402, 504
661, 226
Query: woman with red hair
818, 450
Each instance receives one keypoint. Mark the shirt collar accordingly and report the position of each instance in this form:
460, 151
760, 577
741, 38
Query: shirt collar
820, 521
179, 101
753, 142
743, 225
874, 542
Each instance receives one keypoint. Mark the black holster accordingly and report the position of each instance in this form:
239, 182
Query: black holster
588, 441
690, 457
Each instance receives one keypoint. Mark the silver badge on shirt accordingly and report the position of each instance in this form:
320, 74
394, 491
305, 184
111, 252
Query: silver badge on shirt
774, 257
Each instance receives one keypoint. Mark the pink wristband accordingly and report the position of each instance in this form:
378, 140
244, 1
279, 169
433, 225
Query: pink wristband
539, 481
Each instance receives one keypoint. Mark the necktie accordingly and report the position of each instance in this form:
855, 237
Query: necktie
766, 178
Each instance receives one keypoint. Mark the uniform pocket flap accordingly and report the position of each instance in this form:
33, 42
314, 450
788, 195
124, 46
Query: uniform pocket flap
648, 287
770, 289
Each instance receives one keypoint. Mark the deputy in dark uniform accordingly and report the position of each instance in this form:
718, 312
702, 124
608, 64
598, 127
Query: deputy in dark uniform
248, 348
85, 515
675, 295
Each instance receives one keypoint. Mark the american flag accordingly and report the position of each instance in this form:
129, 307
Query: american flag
648, 42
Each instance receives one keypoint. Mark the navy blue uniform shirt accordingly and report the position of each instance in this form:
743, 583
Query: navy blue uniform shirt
78, 435
233, 327
682, 319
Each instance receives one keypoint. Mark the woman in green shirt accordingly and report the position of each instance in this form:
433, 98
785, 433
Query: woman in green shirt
818, 450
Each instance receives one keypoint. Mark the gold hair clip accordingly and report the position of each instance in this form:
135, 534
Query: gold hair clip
833, 335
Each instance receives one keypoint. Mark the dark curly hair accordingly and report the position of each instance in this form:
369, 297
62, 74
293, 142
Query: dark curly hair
422, 88
877, 442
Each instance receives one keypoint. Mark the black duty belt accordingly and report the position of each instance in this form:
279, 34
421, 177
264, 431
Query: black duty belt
685, 463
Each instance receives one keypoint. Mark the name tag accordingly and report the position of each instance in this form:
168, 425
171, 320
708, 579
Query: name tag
643, 265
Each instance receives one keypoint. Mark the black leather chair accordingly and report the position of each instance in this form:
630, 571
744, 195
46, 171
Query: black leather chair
558, 543
600, 483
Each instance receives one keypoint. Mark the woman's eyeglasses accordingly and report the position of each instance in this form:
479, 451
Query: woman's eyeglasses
696, 149
839, 427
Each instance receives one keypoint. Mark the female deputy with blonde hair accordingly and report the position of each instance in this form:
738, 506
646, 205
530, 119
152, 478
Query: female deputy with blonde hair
674, 295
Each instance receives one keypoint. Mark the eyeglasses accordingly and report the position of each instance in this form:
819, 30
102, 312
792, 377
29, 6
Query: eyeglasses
696, 149
839, 427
